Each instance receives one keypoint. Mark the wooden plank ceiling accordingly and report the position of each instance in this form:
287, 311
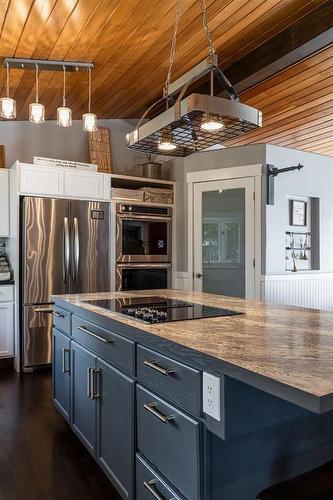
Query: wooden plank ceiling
297, 106
129, 43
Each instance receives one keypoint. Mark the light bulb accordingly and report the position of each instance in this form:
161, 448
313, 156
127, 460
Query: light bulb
7, 108
212, 124
167, 146
166, 142
64, 116
36, 113
89, 122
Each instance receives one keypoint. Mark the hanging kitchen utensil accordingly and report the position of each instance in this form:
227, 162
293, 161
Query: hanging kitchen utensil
198, 121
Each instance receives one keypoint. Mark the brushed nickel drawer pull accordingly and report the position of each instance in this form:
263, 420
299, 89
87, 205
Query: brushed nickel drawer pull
158, 368
64, 369
150, 485
92, 334
151, 407
95, 383
58, 315
89, 383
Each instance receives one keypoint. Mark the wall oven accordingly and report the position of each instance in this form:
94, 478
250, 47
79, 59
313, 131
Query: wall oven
143, 276
143, 234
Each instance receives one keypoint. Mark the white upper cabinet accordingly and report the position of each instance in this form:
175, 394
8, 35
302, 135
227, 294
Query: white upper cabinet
62, 182
4, 203
48, 181
89, 185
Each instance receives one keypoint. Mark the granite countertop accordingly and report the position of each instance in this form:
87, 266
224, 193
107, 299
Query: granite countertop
289, 345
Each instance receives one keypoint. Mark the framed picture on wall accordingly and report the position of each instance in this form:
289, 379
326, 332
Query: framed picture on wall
298, 213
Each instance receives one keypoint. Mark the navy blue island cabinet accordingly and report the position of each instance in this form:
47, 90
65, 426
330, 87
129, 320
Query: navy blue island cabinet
134, 399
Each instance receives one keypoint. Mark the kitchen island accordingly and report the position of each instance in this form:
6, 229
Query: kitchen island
133, 393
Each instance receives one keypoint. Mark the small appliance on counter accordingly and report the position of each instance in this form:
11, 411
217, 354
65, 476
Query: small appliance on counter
6, 274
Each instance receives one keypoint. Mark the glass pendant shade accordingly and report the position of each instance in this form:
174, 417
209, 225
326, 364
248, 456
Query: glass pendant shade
212, 124
36, 113
7, 108
89, 122
166, 142
64, 116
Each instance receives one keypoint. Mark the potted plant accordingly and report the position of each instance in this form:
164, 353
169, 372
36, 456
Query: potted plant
151, 169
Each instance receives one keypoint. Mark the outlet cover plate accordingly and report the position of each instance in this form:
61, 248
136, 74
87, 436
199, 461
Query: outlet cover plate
211, 394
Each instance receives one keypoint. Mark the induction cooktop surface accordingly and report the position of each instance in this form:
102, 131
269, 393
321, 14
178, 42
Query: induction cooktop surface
160, 309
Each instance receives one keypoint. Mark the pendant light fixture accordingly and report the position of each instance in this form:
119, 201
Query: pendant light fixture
211, 122
64, 114
37, 110
7, 104
89, 119
198, 121
166, 142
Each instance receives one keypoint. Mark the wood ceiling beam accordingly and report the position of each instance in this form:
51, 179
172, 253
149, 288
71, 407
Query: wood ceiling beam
299, 41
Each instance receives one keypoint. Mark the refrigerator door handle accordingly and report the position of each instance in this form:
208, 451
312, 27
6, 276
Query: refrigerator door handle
66, 250
76, 249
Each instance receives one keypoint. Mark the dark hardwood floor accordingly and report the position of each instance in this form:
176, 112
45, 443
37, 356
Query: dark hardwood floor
40, 457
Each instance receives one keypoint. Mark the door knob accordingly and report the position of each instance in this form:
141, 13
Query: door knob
198, 275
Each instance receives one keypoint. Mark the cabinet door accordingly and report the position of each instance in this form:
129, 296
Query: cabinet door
115, 443
48, 181
4, 203
83, 364
6, 329
61, 373
84, 185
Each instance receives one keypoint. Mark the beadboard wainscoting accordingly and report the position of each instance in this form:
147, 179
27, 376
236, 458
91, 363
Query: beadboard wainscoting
313, 290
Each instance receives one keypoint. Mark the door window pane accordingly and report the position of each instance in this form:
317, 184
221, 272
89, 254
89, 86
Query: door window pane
223, 242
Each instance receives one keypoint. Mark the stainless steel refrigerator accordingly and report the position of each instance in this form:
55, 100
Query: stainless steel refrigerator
65, 249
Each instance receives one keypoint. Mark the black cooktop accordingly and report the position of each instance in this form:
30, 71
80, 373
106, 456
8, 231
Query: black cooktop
160, 309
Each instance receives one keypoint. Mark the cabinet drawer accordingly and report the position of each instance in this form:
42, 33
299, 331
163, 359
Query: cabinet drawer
108, 345
149, 485
62, 319
6, 293
170, 440
175, 381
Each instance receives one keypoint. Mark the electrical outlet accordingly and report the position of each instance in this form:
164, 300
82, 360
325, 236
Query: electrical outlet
211, 395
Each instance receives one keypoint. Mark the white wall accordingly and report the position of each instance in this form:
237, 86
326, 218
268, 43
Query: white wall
314, 180
23, 140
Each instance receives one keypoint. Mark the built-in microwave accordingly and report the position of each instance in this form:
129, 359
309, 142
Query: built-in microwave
143, 233
142, 276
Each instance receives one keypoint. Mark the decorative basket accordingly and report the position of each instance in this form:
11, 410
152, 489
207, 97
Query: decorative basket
157, 195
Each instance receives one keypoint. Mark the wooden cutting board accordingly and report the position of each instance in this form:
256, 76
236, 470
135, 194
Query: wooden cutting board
100, 149
2, 157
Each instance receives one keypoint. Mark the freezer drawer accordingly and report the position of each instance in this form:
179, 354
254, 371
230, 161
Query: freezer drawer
37, 335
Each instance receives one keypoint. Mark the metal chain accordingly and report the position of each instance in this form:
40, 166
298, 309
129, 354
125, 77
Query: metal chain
203, 7
173, 48
208, 34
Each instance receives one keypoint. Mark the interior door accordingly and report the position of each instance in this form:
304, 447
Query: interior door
90, 247
223, 237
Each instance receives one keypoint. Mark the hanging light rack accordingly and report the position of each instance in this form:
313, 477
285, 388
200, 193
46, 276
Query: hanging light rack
45, 65
182, 121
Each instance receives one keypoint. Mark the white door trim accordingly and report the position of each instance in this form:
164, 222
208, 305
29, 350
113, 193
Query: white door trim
223, 174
